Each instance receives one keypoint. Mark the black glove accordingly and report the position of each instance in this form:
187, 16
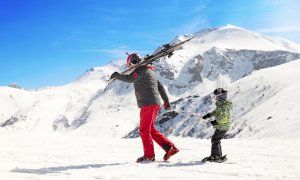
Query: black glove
214, 123
113, 76
167, 105
206, 116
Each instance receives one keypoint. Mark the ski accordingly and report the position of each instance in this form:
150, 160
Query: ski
167, 50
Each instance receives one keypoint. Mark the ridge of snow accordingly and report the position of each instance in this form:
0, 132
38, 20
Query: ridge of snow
232, 37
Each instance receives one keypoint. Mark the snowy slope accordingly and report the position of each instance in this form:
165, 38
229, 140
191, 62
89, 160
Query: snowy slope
267, 102
208, 61
38, 108
41, 107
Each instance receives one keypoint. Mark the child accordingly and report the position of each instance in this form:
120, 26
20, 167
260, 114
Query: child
221, 123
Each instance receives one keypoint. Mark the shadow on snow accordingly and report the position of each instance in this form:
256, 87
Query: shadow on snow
60, 169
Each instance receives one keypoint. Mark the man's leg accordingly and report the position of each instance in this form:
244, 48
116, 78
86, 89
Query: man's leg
145, 130
157, 136
160, 139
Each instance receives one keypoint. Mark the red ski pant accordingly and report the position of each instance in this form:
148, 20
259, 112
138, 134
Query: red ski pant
148, 133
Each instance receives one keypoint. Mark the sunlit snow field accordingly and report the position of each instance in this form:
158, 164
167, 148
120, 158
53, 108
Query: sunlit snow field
26, 155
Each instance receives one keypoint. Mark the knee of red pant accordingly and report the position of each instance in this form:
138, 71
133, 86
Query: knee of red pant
144, 133
153, 129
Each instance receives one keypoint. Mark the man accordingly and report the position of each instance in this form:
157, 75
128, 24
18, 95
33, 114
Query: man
148, 91
221, 123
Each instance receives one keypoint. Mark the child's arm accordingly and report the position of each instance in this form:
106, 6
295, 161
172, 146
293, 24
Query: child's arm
208, 115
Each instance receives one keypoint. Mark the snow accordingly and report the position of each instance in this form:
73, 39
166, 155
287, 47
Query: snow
57, 156
77, 131
232, 37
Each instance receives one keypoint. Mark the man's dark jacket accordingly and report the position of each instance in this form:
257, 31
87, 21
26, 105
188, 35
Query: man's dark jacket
147, 88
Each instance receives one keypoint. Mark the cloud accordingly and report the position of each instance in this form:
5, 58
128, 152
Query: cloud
194, 25
110, 19
280, 29
115, 10
104, 50
153, 38
197, 21
278, 18
114, 50
115, 53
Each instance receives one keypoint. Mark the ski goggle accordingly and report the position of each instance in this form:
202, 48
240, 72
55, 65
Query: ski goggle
221, 96
134, 61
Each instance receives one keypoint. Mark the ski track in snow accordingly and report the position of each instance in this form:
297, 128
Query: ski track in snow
43, 156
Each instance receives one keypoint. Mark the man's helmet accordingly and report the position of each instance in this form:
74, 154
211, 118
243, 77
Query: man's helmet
220, 94
133, 59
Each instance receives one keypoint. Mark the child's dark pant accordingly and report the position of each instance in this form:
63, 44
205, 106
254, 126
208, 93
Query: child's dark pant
216, 149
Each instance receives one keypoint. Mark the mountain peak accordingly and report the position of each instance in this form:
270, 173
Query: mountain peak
234, 37
230, 26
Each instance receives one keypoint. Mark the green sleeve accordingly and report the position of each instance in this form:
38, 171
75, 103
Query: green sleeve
213, 113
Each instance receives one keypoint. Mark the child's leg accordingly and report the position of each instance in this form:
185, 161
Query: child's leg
216, 149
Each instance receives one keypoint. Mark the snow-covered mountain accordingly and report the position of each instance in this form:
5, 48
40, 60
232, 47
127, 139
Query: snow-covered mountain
229, 56
75, 131
265, 105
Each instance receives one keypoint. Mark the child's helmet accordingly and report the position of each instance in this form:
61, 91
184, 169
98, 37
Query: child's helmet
133, 59
220, 94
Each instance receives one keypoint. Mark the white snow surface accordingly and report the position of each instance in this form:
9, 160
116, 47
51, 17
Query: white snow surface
76, 131
39, 156
273, 96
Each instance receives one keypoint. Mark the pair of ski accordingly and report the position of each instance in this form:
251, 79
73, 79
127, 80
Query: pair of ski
166, 51
203, 161
220, 160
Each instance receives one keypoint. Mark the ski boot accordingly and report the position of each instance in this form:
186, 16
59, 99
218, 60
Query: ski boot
172, 151
144, 159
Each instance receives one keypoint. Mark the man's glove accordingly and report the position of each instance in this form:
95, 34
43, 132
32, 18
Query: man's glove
214, 123
167, 105
208, 115
113, 76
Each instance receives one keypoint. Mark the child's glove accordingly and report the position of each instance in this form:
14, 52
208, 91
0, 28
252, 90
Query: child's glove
206, 116
214, 123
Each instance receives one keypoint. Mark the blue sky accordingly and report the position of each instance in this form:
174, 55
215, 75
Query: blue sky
52, 42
